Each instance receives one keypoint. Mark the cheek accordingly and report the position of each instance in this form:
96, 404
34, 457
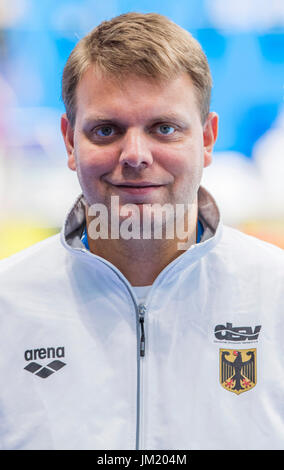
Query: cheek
186, 166
93, 161
183, 162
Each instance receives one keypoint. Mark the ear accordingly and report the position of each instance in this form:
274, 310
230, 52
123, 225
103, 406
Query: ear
68, 136
210, 132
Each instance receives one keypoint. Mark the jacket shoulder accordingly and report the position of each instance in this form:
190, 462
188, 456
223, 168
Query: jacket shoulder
251, 250
43, 252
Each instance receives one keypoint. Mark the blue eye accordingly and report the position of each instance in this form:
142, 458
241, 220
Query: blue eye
165, 129
105, 131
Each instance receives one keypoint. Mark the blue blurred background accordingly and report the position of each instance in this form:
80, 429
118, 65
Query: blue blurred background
244, 44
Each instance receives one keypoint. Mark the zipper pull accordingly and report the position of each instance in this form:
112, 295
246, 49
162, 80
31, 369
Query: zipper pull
142, 310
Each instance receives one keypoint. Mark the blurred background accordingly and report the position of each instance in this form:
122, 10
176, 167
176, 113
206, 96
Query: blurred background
244, 44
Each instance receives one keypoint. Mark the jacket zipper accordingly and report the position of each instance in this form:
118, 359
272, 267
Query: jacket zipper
142, 310
141, 316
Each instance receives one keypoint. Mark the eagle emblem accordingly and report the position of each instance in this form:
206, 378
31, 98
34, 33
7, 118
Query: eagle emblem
238, 369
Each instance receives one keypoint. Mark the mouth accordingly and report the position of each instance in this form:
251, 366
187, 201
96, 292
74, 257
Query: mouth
137, 188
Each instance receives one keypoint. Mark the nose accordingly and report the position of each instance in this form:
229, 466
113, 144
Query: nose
135, 150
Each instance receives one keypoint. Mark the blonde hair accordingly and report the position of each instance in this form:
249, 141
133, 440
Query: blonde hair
148, 45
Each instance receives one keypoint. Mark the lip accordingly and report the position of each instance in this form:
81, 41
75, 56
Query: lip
143, 187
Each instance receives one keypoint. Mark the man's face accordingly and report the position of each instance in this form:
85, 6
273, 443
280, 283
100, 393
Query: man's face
140, 140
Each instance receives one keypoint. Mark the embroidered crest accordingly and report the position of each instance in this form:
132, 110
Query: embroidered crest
238, 369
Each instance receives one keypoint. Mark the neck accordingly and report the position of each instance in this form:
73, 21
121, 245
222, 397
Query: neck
142, 260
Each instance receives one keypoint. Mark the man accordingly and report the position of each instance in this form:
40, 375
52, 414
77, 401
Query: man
143, 326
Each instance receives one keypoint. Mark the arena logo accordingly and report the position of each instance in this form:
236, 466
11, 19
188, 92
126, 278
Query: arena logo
44, 371
151, 221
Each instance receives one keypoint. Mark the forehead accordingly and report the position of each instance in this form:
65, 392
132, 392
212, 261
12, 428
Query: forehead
134, 97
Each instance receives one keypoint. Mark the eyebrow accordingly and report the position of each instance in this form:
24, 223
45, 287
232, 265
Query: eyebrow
91, 121
171, 117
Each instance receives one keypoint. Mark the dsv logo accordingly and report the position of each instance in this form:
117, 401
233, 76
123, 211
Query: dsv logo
241, 333
44, 353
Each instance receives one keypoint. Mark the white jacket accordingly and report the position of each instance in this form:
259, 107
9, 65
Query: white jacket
212, 377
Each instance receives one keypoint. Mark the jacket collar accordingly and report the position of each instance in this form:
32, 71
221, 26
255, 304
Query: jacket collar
208, 213
75, 221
